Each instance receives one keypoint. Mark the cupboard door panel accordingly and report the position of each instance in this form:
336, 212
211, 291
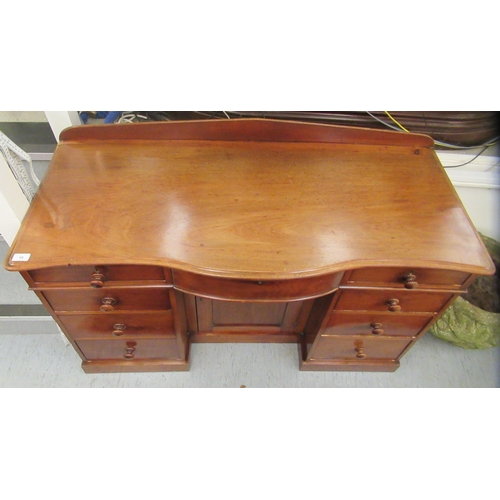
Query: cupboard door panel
220, 315
247, 313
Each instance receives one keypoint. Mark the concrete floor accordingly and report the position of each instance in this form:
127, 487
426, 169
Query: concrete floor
43, 360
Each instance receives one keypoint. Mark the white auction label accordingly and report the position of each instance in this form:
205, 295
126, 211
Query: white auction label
21, 257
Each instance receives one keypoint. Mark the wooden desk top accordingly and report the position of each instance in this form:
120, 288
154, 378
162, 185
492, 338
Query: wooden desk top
247, 199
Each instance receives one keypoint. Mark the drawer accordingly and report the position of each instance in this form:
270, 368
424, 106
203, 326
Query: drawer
108, 300
267, 290
98, 276
121, 349
358, 347
404, 277
392, 300
376, 324
125, 326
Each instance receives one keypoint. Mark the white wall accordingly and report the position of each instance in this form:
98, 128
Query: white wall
478, 186
483, 207
59, 120
13, 203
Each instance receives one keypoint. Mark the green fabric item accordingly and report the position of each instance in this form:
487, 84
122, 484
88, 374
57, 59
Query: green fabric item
493, 246
467, 326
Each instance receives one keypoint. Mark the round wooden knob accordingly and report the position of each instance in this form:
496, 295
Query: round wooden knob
360, 352
119, 329
107, 304
410, 281
97, 279
377, 328
393, 305
129, 350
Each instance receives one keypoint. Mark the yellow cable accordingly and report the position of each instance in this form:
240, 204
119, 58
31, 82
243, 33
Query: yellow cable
396, 122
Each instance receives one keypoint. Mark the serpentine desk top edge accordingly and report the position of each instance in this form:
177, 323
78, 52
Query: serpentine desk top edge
219, 198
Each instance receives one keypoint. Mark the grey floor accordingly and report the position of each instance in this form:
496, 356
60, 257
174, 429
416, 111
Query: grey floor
29, 358
43, 360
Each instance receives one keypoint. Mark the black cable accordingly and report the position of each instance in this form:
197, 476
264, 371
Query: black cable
440, 143
426, 124
470, 161
384, 123
204, 114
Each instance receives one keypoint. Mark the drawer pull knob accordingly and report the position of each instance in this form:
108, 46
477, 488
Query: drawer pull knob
393, 305
377, 328
360, 352
129, 350
119, 329
107, 304
410, 281
97, 280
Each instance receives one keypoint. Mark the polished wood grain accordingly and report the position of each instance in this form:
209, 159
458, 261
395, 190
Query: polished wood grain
249, 321
190, 310
401, 277
145, 238
102, 275
135, 365
180, 322
392, 300
316, 322
95, 301
130, 349
247, 209
243, 130
261, 290
349, 365
253, 335
358, 347
242, 313
342, 323
125, 326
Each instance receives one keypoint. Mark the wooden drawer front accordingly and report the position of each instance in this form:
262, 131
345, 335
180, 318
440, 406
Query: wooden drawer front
401, 277
231, 289
122, 349
375, 325
380, 300
124, 326
358, 347
85, 274
125, 299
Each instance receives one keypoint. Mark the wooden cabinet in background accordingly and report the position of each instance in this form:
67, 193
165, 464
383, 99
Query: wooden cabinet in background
145, 238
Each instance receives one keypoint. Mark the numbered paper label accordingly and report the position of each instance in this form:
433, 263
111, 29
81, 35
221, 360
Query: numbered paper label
21, 257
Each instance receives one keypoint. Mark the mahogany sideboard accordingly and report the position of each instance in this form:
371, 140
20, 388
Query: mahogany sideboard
145, 238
